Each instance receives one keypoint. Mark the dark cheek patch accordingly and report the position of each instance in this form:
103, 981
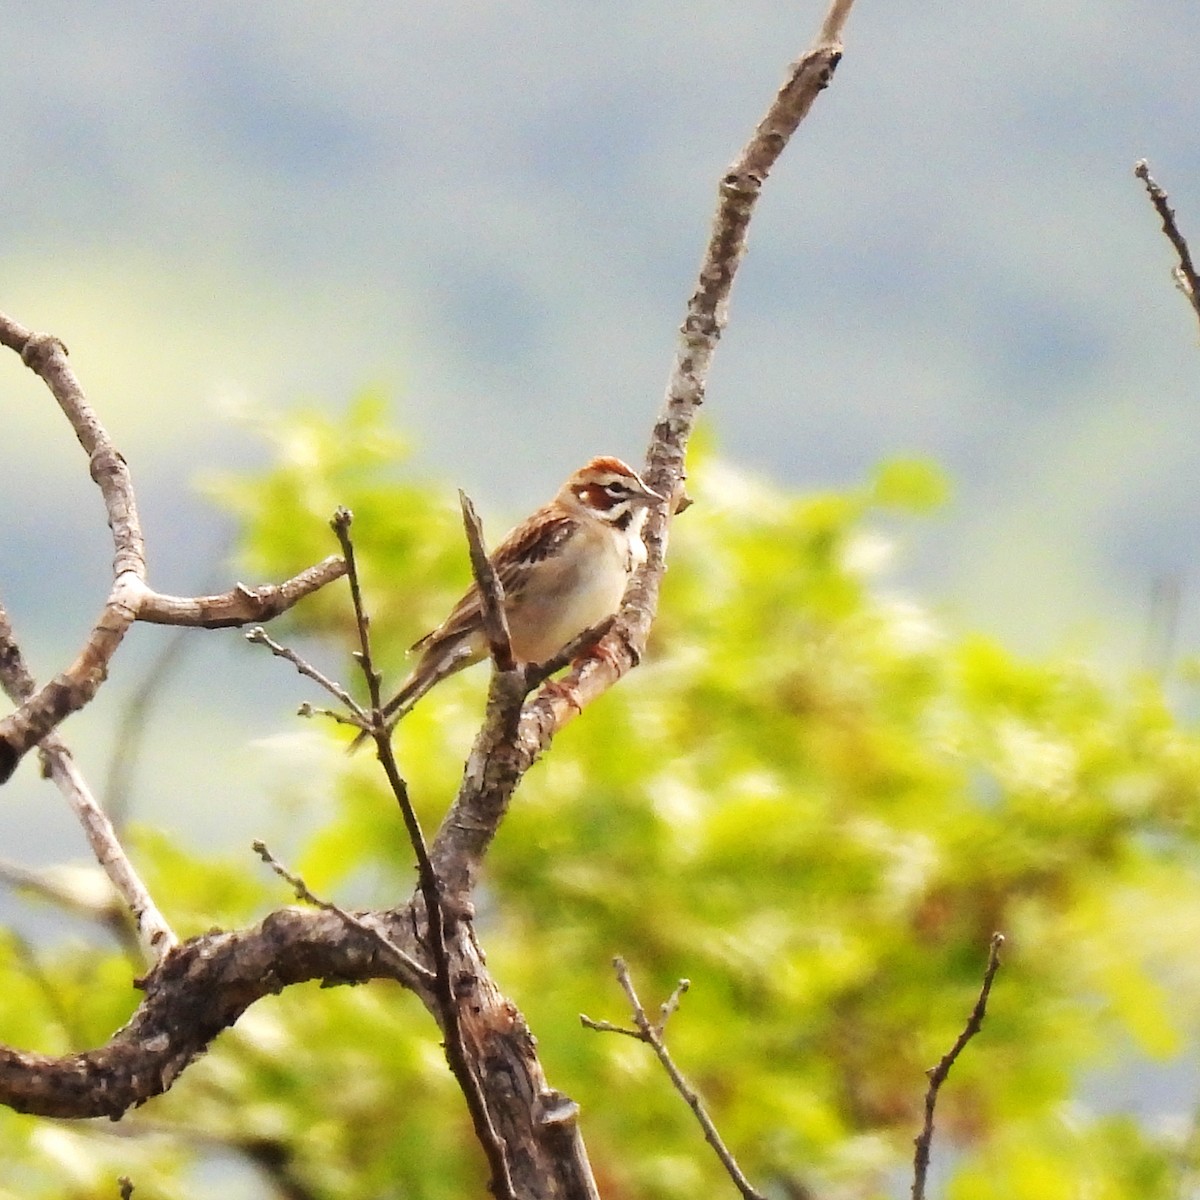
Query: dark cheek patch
595, 496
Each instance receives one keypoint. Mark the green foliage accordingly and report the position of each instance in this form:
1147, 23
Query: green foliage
813, 800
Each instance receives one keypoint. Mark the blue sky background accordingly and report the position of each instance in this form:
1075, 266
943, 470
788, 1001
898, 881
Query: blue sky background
495, 212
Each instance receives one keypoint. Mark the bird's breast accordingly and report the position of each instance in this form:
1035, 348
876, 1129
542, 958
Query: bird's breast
578, 589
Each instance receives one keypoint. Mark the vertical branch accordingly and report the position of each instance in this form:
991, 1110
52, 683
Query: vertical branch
937, 1075
703, 324
491, 590
738, 193
430, 888
499, 761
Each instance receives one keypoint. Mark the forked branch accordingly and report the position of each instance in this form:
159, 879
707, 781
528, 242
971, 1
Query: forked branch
131, 598
653, 1033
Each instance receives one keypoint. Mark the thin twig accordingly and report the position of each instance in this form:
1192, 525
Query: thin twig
650, 1033
937, 1075
536, 673
154, 934
601, 1026
409, 970
1185, 274
126, 1186
670, 1006
429, 884
491, 590
312, 710
258, 636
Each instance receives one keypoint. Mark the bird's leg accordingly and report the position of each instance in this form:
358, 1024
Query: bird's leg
564, 691
588, 644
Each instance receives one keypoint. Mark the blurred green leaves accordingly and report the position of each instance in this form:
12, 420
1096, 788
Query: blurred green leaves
814, 800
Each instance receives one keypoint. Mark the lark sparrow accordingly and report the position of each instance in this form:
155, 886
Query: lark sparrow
564, 569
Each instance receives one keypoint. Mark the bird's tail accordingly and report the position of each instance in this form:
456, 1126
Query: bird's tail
428, 672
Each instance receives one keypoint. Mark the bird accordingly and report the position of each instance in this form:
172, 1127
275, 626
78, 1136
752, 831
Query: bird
563, 569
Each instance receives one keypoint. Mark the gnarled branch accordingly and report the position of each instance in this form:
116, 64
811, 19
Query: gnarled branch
131, 598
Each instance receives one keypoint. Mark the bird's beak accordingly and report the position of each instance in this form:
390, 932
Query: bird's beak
648, 495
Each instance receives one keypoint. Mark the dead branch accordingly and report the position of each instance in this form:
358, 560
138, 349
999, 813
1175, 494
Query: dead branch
202, 987
153, 932
1184, 274
937, 1075
498, 762
439, 920
415, 974
206, 984
258, 637
491, 590
652, 1032
130, 599
241, 604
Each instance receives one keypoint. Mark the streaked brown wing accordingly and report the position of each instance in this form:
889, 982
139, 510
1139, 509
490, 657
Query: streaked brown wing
534, 540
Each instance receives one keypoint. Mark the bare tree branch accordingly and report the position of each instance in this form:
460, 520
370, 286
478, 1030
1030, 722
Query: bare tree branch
241, 604
937, 1075
652, 1034
154, 934
491, 590
438, 919
130, 599
416, 976
1184, 274
202, 987
258, 637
